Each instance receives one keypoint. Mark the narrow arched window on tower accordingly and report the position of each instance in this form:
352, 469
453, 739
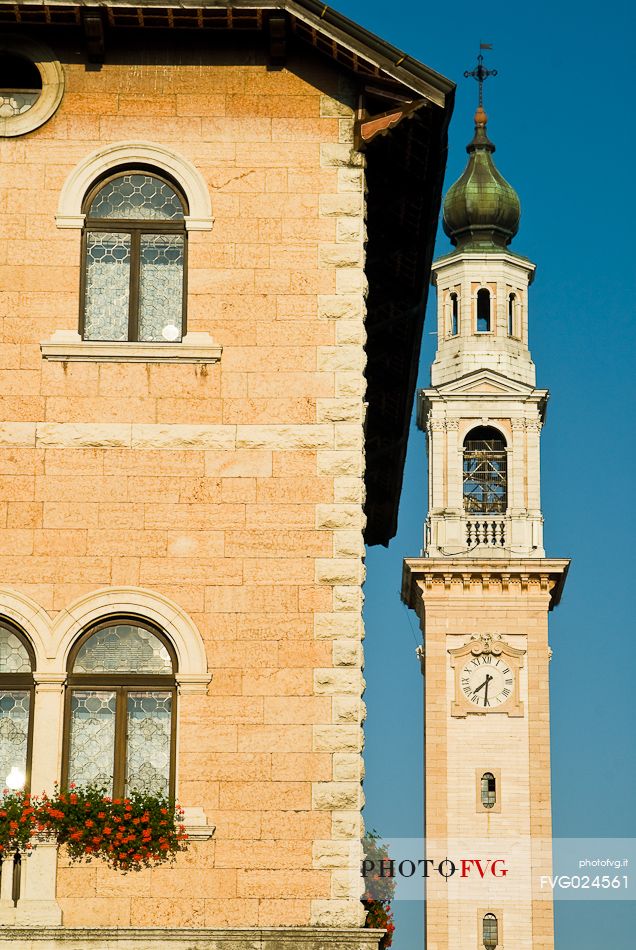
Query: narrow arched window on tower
512, 306
485, 486
454, 314
483, 310
488, 790
490, 931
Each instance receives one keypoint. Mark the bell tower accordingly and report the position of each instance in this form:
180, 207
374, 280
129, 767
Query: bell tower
484, 586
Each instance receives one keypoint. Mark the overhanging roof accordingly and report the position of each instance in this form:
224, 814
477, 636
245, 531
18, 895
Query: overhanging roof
313, 21
403, 115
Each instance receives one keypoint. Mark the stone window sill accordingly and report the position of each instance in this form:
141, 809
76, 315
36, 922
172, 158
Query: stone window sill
196, 824
68, 346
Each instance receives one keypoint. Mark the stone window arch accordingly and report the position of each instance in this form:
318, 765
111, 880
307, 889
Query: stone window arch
108, 159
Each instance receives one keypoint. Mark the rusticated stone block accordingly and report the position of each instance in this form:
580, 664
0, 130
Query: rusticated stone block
333, 796
335, 681
339, 738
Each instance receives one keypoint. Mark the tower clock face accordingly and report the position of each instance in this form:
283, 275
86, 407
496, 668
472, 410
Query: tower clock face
487, 681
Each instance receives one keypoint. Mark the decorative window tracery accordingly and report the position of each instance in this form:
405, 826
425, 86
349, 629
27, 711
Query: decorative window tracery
120, 710
16, 703
485, 478
134, 254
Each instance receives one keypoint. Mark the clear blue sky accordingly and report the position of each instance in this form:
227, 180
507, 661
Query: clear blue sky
562, 121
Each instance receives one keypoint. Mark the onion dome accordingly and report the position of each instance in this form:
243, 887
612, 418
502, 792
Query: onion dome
481, 210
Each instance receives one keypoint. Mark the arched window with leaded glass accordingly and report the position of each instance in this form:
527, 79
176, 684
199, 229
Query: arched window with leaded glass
485, 477
134, 256
120, 710
16, 704
490, 931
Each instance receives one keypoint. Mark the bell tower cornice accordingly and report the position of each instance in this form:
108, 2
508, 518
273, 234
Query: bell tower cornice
471, 578
482, 258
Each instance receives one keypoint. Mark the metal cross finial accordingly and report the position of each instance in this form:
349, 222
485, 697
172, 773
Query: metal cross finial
481, 73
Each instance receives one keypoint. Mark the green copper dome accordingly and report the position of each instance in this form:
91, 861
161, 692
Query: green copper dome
481, 210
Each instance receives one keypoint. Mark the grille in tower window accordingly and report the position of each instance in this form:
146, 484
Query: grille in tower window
485, 474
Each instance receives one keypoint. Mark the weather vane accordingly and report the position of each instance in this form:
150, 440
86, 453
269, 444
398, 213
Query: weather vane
481, 73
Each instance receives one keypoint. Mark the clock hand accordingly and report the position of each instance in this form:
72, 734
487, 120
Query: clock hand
488, 679
482, 685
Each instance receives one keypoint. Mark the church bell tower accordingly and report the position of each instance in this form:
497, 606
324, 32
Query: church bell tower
484, 586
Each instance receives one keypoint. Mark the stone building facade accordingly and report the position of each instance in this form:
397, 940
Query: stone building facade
194, 477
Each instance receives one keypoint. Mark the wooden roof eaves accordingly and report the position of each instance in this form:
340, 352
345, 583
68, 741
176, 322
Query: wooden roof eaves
315, 14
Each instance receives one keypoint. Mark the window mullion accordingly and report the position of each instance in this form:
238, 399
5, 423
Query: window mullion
133, 311
119, 766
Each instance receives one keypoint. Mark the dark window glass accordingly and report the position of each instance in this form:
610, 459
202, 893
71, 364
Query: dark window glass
454, 315
20, 84
488, 790
485, 471
483, 310
512, 301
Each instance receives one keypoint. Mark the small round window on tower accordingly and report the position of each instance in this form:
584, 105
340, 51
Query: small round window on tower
20, 85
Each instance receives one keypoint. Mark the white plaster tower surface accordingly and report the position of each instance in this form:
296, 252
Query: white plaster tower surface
483, 587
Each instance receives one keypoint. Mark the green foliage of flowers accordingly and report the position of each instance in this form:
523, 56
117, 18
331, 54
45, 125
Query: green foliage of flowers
127, 833
380, 889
